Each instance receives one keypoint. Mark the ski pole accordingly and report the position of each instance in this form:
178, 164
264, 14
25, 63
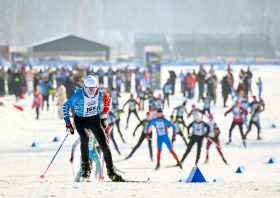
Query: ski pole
102, 176
43, 176
214, 143
272, 114
267, 118
73, 172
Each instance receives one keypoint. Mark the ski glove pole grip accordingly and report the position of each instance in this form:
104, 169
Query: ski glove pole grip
104, 122
69, 128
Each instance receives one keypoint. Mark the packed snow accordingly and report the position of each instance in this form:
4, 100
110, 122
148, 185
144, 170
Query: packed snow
21, 165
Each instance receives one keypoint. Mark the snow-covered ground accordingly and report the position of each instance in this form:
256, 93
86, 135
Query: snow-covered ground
21, 165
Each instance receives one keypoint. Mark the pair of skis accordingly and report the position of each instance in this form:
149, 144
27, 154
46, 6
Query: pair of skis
124, 181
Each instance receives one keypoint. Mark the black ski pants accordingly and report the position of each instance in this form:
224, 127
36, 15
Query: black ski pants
240, 124
117, 122
250, 127
166, 97
141, 139
182, 136
135, 113
194, 139
93, 123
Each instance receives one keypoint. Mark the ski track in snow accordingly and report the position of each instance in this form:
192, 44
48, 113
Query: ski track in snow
21, 165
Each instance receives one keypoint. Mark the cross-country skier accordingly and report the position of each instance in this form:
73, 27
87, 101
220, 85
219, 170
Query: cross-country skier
114, 95
194, 112
142, 97
93, 156
154, 110
110, 119
117, 113
159, 102
86, 102
161, 125
178, 124
207, 102
166, 91
254, 106
245, 105
144, 124
197, 137
238, 112
213, 136
151, 99
132, 109
181, 110
254, 120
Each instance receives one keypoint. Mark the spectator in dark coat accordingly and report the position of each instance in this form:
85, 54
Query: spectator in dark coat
172, 78
226, 88
201, 82
70, 86
249, 76
16, 84
2, 81
211, 89
241, 87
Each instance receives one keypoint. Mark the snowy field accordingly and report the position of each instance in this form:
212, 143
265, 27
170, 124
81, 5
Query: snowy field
21, 165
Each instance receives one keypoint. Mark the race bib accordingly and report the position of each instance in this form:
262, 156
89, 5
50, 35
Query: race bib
181, 111
160, 128
131, 105
198, 129
90, 106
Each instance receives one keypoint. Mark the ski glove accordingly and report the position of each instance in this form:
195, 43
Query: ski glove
69, 128
173, 138
104, 122
72, 159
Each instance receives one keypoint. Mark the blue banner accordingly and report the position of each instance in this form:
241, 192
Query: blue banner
18, 59
153, 64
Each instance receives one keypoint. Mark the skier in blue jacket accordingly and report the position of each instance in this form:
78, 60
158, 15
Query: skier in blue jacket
161, 124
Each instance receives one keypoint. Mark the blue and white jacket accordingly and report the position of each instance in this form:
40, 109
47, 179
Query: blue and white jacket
161, 125
86, 105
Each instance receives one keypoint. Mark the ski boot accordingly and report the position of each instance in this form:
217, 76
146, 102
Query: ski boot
225, 161
179, 164
158, 166
86, 170
111, 172
152, 158
260, 135
244, 143
229, 141
196, 163
130, 155
207, 160
118, 151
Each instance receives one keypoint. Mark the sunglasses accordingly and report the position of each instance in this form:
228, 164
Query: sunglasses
90, 89
159, 114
